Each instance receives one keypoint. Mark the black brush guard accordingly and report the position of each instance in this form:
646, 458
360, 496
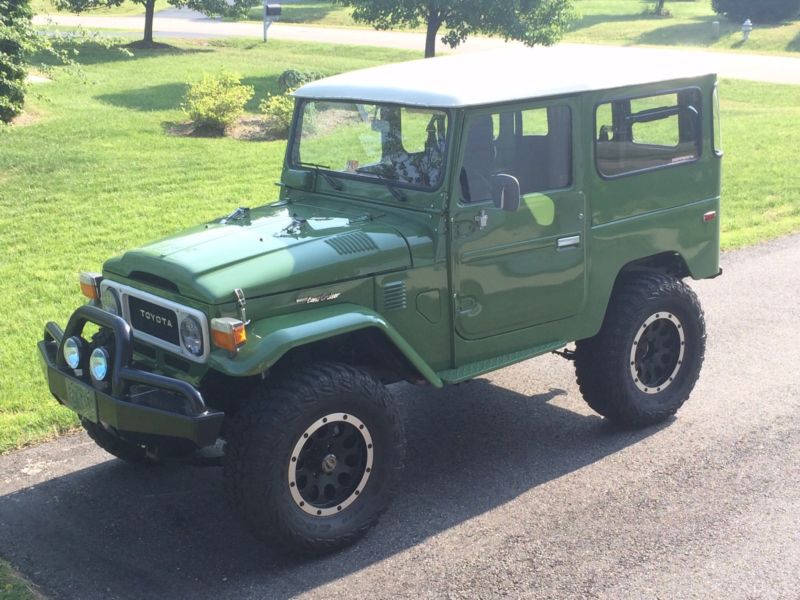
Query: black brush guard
136, 402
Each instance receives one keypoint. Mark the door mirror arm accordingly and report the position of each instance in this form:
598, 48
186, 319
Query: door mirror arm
506, 192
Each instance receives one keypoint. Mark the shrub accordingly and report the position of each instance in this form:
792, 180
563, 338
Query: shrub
291, 79
279, 108
216, 101
759, 11
15, 31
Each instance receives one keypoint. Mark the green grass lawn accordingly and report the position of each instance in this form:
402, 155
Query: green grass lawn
97, 174
12, 586
311, 12
623, 22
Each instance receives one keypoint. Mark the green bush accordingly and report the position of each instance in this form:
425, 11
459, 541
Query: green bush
15, 31
279, 109
216, 101
759, 11
291, 79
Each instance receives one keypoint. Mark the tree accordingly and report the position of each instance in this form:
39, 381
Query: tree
659, 9
210, 7
759, 11
15, 33
530, 21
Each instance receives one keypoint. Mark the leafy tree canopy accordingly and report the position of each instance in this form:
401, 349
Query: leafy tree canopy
15, 42
529, 21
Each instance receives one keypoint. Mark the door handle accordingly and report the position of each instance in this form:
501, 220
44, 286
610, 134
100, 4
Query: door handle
482, 219
568, 242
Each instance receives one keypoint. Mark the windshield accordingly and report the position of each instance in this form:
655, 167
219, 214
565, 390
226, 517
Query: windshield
397, 145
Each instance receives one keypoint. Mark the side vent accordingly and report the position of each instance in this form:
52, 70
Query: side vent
355, 242
394, 295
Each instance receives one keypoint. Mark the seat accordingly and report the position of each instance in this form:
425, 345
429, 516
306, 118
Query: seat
478, 165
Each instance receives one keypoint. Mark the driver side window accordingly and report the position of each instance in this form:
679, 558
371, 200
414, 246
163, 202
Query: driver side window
534, 146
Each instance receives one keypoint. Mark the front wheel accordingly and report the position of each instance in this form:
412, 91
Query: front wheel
116, 446
313, 460
643, 364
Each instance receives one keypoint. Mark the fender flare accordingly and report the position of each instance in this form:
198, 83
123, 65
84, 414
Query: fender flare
269, 339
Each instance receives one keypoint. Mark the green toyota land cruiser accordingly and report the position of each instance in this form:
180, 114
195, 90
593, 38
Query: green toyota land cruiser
436, 220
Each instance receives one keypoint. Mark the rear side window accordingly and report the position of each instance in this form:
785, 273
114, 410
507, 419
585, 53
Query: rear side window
638, 134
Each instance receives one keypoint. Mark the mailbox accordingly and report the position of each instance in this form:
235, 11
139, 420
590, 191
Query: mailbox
273, 10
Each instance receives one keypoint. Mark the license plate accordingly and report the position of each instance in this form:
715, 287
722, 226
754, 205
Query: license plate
81, 399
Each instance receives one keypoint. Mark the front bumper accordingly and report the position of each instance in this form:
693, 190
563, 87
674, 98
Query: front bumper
138, 403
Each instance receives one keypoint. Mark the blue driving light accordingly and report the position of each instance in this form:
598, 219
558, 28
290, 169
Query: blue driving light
98, 364
72, 352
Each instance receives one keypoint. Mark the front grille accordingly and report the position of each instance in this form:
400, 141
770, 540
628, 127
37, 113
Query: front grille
154, 320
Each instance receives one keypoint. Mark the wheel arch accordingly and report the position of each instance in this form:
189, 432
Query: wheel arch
346, 333
668, 263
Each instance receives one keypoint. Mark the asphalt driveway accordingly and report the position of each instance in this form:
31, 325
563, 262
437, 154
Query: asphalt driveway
513, 487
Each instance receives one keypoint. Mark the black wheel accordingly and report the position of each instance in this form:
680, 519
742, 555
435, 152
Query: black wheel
116, 446
313, 459
643, 364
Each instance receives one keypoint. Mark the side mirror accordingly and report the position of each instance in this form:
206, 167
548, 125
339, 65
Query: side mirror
506, 192
694, 119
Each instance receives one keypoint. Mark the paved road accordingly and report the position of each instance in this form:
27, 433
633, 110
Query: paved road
178, 23
513, 488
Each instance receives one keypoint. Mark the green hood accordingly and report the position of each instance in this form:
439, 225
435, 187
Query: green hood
274, 249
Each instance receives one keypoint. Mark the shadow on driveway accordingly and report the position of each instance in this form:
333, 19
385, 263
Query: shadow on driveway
117, 531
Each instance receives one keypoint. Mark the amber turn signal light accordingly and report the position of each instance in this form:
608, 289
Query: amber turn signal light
90, 285
228, 333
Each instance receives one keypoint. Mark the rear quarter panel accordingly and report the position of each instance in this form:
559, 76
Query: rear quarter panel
642, 214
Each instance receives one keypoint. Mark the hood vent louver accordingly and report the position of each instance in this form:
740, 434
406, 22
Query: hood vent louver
355, 242
394, 295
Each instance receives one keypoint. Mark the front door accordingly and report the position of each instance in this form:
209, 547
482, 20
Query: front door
515, 270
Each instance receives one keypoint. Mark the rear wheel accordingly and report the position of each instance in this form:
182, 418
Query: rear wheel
313, 459
643, 364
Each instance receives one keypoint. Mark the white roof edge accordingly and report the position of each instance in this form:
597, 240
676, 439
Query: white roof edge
493, 77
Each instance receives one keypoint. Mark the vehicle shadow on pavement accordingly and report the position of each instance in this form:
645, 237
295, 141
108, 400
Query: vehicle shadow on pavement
118, 531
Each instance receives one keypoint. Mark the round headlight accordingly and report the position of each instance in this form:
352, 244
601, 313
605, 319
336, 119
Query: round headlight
98, 364
109, 301
192, 335
72, 352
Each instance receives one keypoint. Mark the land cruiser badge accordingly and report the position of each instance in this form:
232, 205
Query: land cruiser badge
320, 298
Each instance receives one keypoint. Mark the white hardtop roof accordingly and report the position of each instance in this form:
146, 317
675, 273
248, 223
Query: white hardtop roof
474, 79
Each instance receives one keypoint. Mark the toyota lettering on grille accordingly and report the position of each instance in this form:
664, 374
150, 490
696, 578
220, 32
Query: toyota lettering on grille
158, 319
155, 320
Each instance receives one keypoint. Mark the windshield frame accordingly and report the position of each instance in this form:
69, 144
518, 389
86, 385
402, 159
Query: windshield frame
293, 160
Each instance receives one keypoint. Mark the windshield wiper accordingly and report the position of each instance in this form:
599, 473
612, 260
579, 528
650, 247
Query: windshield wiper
400, 196
337, 185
